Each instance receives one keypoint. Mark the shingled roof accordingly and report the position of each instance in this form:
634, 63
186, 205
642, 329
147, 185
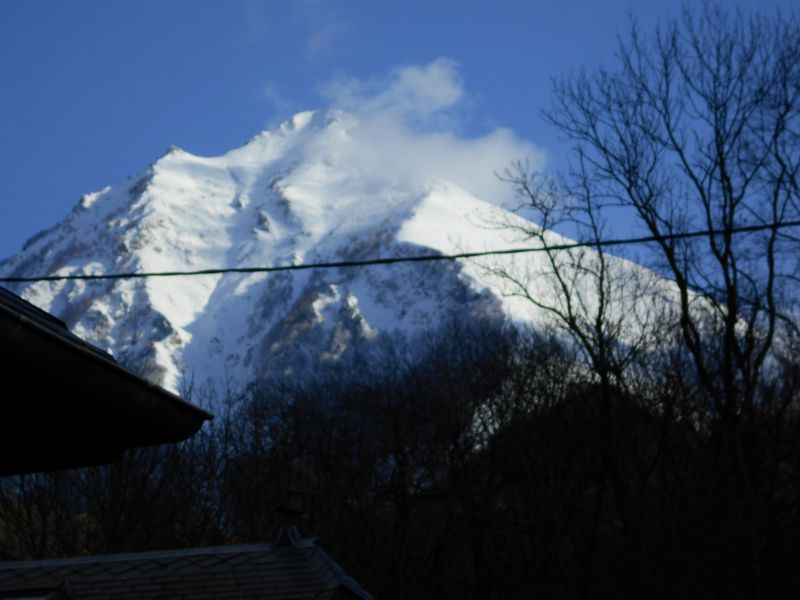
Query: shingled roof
291, 569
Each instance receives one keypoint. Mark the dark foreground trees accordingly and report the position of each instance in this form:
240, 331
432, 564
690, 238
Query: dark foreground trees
696, 128
497, 466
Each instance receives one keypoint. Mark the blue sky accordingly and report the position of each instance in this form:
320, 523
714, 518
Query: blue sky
96, 90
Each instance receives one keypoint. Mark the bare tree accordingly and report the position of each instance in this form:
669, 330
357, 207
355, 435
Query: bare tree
695, 129
698, 130
610, 308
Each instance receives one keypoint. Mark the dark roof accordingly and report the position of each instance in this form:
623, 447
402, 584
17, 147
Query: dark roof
298, 571
66, 403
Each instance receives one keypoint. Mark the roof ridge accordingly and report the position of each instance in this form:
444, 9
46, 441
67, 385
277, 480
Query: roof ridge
142, 555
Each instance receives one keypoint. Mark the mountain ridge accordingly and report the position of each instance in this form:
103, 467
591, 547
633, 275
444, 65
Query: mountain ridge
290, 195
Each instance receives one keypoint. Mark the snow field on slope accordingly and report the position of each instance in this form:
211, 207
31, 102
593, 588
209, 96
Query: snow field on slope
292, 195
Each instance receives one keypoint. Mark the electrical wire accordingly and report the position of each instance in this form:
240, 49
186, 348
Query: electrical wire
406, 259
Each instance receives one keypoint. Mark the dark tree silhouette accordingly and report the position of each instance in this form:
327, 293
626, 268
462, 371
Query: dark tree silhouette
695, 128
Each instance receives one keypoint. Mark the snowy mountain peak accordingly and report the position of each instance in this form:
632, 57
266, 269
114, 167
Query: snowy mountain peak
303, 192
173, 150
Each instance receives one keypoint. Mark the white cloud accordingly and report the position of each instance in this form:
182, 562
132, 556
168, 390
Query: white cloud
323, 27
412, 93
272, 94
408, 130
323, 37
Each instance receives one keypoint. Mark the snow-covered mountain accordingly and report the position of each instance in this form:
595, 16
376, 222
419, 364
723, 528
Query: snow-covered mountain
286, 197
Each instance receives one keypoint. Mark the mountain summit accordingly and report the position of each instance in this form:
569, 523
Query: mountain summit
297, 194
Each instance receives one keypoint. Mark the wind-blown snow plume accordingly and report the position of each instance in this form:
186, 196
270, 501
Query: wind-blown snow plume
411, 94
408, 128
383, 180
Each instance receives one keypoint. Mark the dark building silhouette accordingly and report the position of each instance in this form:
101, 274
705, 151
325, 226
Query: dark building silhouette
291, 568
68, 404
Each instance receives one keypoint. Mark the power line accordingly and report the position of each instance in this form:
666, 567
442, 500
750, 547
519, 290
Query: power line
407, 259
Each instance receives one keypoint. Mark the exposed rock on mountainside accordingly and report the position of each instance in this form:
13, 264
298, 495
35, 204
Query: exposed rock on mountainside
287, 197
